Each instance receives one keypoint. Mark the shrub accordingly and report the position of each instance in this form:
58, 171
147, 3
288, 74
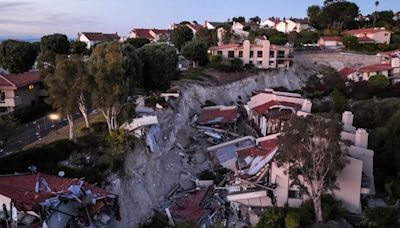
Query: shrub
271, 217
379, 80
379, 217
215, 58
26, 115
292, 220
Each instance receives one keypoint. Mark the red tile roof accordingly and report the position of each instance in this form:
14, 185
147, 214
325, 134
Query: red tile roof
19, 80
392, 54
330, 38
364, 31
98, 36
195, 27
218, 115
365, 39
224, 46
264, 149
188, 207
346, 71
23, 188
161, 31
376, 68
143, 33
263, 108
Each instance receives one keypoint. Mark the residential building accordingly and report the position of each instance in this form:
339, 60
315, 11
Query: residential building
262, 56
389, 55
218, 115
330, 42
154, 35
40, 200
293, 25
214, 25
20, 91
270, 22
367, 35
390, 69
259, 182
269, 110
92, 38
194, 27
243, 26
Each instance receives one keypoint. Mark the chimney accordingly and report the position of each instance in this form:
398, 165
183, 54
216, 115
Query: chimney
347, 118
306, 107
361, 138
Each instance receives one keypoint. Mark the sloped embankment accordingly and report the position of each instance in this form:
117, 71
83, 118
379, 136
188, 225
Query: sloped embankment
150, 176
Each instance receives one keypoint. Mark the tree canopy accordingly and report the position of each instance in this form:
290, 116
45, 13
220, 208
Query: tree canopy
116, 70
181, 35
17, 56
9, 127
378, 80
350, 42
338, 14
195, 51
339, 101
207, 36
159, 66
78, 47
138, 42
311, 146
50, 46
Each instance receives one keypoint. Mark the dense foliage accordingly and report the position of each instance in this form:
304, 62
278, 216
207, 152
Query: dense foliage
17, 56
181, 35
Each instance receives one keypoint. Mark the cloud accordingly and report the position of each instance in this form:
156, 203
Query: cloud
13, 5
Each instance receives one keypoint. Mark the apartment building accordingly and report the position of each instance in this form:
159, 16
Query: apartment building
263, 55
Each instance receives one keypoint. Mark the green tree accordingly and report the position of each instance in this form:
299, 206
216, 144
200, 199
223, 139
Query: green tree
255, 19
311, 146
138, 42
271, 217
292, 220
50, 46
339, 101
9, 127
181, 35
350, 42
159, 66
379, 217
78, 47
378, 80
195, 51
83, 85
61, 88
207, 36
314, 14
239, 19
116, 70
17, 56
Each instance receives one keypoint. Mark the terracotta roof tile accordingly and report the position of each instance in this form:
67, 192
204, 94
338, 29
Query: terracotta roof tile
195, 27
188, 207
98, 36
213, 115
143, 33
364, 31
346, 71
19, 80
376, 68
330, 38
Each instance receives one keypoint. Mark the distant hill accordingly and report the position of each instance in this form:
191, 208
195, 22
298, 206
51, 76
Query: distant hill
21, 38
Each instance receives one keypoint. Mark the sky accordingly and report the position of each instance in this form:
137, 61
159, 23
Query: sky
34, 18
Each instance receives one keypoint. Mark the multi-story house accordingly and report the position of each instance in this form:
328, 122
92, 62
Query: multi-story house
92, 38
371, 35
288, 25
262, 55
20, 91
154, 35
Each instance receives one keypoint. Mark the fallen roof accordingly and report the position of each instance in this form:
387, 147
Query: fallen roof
218, 114
19, 80
189, 206
28, 190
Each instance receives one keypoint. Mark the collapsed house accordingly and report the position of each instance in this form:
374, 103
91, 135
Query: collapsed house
217, 116
40, 200
257, 180
269, 110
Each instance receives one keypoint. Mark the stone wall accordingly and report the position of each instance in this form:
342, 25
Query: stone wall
337, 60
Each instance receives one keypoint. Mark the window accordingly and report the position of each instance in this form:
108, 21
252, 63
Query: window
281, 54
272, 54
31, 86
259, 62
251, 61
251, 54
294, 194
231, 54
259, 54
281, 62
2, 96
271, 63
219, 52
240, 54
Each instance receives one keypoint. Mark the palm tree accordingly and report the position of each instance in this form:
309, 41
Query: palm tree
376, 9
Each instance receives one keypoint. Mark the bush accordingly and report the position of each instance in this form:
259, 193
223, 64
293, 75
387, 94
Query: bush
215, 58
292, 219
271, 217
26, 115
379, 80
379, 217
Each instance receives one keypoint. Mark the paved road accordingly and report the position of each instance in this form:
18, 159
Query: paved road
32, 132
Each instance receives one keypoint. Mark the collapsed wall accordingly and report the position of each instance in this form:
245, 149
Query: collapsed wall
149, 177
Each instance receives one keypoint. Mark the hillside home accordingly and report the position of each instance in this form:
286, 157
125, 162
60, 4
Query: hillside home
92, 38
154, 35
218, 116
40, 200
391, 70
388, 55
20, 91
371, 35
330, 42
259, 182
293, 25
270, 22
194, 27
214, 25
264, 56
269, 110
244, 26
